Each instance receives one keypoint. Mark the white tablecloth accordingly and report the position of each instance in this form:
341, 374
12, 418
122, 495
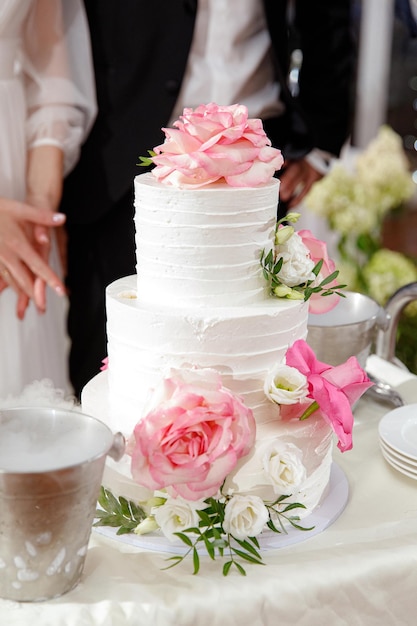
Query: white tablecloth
362, 570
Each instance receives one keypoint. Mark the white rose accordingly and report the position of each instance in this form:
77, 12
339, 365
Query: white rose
177, 515
285, 385
245, 516
297, 264
283, 464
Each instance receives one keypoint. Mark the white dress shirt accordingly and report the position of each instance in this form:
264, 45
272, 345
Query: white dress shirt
230, 62
230, 59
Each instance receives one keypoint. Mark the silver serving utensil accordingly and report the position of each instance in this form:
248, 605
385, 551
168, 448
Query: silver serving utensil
384, 391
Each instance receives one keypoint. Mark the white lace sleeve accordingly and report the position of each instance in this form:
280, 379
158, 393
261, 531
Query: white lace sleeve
59, 75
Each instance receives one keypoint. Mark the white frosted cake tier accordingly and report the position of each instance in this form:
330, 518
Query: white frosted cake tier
241, 343
313, 437
202, 247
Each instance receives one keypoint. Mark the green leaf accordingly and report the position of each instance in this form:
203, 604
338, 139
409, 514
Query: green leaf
110, 520
209, 547
117, 512
247, 557
298, 527
272, 526
124, 530
278, 265
293, 505
146, 161
317, 267
108, 502
185, 539
101, 513
193, 529
204, 518
328, 279
176, 559
196, 561
240, 568
249, 547
226, 567
124, 505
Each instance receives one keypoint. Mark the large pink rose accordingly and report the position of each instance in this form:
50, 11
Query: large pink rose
335, 389
318, 250
212, 143
192, 438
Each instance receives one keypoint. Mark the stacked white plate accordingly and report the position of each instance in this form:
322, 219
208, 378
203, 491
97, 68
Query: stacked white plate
398, 439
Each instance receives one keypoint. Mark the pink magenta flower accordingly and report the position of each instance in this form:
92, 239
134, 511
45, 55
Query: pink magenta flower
212, 143
318, 251
105, 364
335, 389
192, 438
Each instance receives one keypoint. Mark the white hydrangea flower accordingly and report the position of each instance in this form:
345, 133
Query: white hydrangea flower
285, 385
245, 516
297, 264
355, 198
387, 271
176, 514
283, 464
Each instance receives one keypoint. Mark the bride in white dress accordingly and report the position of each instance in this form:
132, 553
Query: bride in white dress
47, 106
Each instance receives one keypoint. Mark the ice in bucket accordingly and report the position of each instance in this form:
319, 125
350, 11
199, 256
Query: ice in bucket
51, 467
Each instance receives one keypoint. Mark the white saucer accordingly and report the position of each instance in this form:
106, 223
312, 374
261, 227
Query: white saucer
398, 429
321, 518
397, 456
398, 465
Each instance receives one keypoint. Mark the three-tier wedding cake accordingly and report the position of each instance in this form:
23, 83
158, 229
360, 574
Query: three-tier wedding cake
208, 370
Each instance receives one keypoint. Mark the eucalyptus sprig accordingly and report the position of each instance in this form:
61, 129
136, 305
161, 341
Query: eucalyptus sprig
209, 534
118, 512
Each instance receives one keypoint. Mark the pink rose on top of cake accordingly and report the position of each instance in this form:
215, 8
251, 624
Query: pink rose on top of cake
192, 437
213, 143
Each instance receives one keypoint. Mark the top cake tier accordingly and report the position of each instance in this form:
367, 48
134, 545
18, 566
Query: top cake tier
202, 247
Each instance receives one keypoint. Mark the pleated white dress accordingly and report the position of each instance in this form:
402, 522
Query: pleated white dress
47, 96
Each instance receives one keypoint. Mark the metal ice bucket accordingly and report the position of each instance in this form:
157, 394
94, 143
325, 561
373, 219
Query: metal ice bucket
347, 330
51, 467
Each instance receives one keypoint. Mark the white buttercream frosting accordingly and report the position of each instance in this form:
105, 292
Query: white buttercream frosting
200, 300
202, 247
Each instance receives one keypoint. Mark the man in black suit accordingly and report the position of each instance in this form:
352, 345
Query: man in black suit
140, 52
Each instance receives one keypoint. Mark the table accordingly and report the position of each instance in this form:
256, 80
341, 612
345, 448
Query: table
360, 571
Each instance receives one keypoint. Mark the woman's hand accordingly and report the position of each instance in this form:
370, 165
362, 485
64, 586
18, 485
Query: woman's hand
44, 180
20, 261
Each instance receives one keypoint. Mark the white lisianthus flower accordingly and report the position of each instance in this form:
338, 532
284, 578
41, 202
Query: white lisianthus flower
292, 217
283, 234
285, 385
282, 291
147, 525
283, 464
176, 515
245, 516
297, 264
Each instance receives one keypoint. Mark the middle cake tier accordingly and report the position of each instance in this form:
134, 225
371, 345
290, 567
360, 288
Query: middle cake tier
241, 343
